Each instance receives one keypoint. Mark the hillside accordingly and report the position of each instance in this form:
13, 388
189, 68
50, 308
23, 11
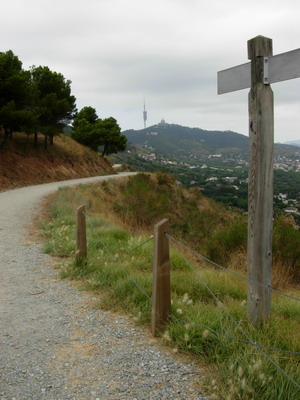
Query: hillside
22, 165
171, 138
182, 141
294, 143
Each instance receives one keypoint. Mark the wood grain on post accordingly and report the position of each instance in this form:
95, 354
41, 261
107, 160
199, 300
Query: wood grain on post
260, 190
81, 247
161, 290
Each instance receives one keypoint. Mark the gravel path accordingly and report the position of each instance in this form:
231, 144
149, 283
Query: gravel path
55, 343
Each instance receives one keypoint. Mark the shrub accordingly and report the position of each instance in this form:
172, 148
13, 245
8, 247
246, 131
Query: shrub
142, 203
227, 240
286, 239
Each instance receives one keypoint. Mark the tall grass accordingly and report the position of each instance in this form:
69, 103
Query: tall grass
119, 267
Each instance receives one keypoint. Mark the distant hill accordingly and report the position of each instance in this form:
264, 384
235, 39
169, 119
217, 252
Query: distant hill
294, 143
171, 138
182, 140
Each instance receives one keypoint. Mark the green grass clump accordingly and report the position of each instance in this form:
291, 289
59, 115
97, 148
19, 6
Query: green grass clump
119, 266
286, 247
226, 240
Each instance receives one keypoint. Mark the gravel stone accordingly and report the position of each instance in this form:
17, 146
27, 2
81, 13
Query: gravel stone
55, 344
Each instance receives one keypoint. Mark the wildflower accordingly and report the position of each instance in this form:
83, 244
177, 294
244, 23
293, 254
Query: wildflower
232, 389
257, 364
205, 333
185, 298
262, 376
179, 311
167, 336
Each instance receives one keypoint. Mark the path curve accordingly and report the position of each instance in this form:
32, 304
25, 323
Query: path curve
54, 343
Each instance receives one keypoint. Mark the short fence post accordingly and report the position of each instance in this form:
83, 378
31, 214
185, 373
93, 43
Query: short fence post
161, 288
81, 248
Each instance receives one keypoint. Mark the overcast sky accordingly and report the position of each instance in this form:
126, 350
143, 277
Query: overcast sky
116, 52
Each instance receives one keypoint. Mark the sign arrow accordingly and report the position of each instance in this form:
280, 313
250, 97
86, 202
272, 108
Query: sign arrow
277, 68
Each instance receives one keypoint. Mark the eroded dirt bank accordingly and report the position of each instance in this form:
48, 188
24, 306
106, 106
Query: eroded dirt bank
22, 165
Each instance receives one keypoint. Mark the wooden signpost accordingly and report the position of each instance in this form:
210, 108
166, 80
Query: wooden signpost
263, 70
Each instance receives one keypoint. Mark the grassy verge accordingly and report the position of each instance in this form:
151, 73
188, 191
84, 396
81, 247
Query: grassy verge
119, 268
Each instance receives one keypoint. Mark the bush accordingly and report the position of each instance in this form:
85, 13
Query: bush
286, 240
226, 241
142, 203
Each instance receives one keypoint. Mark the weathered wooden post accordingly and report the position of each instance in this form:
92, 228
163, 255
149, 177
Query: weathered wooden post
81, 247
161, 290
263, 70
260, 189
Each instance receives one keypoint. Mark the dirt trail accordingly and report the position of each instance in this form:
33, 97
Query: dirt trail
54, 343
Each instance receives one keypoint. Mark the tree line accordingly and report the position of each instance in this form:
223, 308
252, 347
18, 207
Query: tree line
39, 101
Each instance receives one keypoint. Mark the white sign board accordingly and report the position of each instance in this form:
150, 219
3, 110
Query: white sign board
276, 69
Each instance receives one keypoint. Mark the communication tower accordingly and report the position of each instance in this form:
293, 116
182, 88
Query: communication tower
145, 115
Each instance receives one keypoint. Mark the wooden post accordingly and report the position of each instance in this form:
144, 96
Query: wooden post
161, 290
260, 191
81, 248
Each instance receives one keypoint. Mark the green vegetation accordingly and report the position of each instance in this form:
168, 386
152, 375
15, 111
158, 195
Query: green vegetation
215, 162
287, 182
40, 101
119, 267
33, 101
200, 222
224, 181
94, 132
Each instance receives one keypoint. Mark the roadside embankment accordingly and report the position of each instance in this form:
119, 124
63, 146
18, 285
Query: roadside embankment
21, 164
